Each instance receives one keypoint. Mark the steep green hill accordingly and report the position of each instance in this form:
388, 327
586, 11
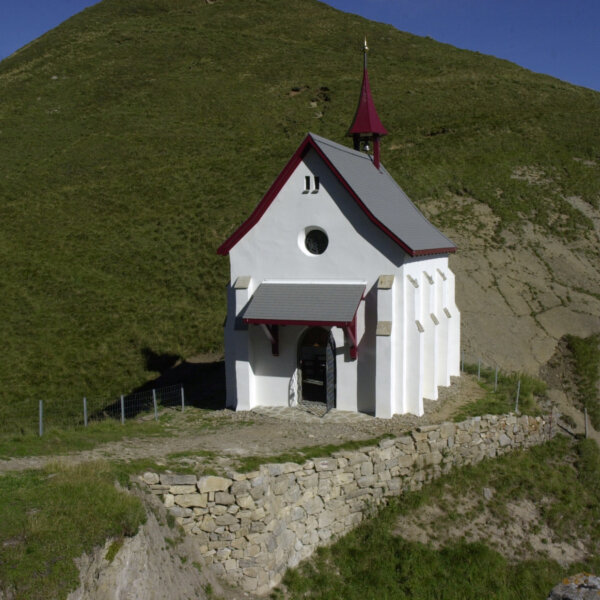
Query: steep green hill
137, 135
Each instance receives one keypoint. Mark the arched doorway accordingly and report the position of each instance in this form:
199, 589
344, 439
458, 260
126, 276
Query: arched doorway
316, 361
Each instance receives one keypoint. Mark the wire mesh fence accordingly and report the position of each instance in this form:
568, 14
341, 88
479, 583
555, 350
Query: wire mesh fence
511, 392
40, 415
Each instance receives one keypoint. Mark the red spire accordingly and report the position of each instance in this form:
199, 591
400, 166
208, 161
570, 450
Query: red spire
366, 119
366, 125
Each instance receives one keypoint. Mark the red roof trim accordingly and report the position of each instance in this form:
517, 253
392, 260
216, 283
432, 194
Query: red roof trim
268, 198
362, 204
450, 250
297, 322
374, 219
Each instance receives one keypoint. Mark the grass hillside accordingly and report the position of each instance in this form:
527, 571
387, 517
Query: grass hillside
136, 136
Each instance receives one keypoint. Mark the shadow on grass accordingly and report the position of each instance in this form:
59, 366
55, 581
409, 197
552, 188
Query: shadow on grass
203, 381
203, 385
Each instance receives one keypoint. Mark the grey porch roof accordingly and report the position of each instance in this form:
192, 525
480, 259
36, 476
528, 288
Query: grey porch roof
384, 198
298, 303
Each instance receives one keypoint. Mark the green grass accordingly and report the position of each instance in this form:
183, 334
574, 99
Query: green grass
113, 549
51, 516
136, 136
586, 358
503, 400
373, 563
252, 463
62, 441
545, 471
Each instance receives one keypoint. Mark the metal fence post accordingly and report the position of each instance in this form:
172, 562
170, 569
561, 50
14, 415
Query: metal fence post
478, 369
182, 400
518, 392
122, 410
84, 411
41, 418
155, 407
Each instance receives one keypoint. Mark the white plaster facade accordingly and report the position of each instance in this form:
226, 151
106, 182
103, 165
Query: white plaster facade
407, 324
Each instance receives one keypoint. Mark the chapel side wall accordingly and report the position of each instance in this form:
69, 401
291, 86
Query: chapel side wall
367, 352
230, 351
250, 527
435, 334
453, 327
399, 333
386, 347
239, 378
430, 324
443, 375
412, 401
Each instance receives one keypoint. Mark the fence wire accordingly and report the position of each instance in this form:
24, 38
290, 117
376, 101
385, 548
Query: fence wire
39, 415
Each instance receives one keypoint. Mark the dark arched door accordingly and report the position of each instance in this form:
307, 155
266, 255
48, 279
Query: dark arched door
316, 358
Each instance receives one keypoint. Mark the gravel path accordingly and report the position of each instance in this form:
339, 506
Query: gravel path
263, 431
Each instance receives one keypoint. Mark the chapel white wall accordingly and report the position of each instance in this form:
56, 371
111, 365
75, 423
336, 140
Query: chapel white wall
274, 248
419, 355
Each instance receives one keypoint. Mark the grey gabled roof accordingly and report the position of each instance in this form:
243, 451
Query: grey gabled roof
384, 199
291, 303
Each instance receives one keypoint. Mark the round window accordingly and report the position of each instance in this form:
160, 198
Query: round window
316, 241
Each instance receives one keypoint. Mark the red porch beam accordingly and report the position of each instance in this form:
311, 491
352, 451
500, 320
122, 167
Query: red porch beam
272, 333
350, 331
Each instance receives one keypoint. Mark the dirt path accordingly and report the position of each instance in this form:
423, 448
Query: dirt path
224, 435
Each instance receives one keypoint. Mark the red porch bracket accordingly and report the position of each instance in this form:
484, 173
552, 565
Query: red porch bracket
350, 331
272, 333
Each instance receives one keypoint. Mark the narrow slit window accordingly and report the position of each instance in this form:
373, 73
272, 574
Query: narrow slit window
307, 183
316, 184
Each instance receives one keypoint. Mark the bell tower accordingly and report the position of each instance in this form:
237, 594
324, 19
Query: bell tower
366, 127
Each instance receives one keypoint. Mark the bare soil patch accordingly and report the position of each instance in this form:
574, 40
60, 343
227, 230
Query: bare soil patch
520, 535
519, 291
559, 374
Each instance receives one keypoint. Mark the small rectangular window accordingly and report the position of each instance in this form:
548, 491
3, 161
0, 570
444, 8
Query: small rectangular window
316, 184
307, 183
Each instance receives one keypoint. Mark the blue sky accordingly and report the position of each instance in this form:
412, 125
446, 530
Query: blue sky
557, 37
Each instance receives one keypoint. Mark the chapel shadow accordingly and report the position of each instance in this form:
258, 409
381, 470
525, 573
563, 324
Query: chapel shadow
203, 379
203, 383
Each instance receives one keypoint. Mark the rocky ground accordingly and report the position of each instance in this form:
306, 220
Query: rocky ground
160, 563
524, 536
519, 297
172, 569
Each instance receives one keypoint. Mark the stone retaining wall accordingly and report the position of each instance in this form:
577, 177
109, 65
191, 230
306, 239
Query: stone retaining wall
252, 526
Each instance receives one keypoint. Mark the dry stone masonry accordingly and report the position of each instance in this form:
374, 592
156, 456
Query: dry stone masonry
252, 526
582, 586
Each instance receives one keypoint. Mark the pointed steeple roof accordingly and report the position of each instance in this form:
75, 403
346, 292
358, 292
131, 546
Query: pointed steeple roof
366, 119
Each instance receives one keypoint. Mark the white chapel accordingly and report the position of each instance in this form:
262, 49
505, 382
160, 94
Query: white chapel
340, 291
